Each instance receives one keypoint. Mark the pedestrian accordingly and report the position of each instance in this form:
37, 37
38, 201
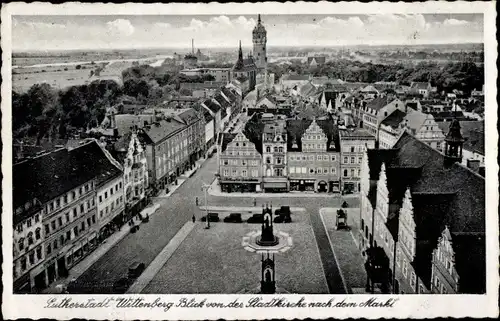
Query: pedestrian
197, 201
254, 202
194, 219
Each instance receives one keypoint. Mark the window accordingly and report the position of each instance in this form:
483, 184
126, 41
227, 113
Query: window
352, 160
345, 172
23, 264
226, 173
292, 170
225, 162
318, 157
352, 149
59, 220
105, 195
278, 160
68, 235
352, 172
82, 208
333, 170
58, 203
49, 249
255, 173
47, 229
75, 214
100, 198
55, 244
244, 173
244, 162
30, 238
61, 239
20, 243
75, 231
405, 268
65, 199
53, 225
334, 158
413, 280
268, 149
38, 233
37, 218
268, 160
39, 253
360, 159
32, 258
28, 222
73, 195
345, 160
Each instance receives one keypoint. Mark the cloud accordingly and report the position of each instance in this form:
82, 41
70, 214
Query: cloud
120, 27
454, 22
225, 31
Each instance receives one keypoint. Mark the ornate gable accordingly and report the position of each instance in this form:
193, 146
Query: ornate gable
383, 193
314, 139
407, 230
445, 255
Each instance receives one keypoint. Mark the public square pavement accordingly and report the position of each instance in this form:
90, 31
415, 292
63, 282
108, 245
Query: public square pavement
347, 253
214, 261
178, 208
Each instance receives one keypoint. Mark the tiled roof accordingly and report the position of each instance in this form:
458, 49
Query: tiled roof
419, 85
471, 263
162, 129
442, 195
226, 139
378, 103
253, 131
295, 77
394, 119
416, 119
212, 105
247, 65
472, 131
51, 175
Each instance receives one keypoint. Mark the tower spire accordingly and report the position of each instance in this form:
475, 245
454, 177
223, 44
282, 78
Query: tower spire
240, 53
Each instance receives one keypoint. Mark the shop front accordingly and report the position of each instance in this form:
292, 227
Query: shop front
275, 186
230, 186
334, 186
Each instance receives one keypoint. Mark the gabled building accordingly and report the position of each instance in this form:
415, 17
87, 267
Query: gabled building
240, 164
422, 88
354, 143
57, 191
274, 149
313, 156
377, 110
427, 212
421, 125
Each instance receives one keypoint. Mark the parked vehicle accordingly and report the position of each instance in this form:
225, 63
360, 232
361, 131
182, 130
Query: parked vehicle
233, 218
256, 218
282, 219
136, 269
212, 217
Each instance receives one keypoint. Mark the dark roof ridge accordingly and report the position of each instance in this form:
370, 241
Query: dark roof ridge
467, 168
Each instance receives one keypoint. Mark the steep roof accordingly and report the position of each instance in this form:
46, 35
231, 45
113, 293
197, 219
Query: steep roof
442, 196
212, 105
378, 103
226, 139
161, 130
416, 119
296, 128
472, 131
54, 174
419, 85
247, 64
253, 131
394, 119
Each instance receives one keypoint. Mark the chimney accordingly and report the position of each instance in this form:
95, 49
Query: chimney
473, 164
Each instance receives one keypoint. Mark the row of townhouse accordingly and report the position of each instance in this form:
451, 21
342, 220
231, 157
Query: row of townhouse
292, 155
63, 202
424, 212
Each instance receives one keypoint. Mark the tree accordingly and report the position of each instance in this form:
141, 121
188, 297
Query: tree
186, 92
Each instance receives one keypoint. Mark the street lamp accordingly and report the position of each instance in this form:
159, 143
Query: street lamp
205, 187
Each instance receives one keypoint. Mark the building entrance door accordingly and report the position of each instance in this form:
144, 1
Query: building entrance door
51, 273
61, 267
322, 187
40, 281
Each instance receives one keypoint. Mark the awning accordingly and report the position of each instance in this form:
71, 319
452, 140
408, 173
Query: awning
275, 185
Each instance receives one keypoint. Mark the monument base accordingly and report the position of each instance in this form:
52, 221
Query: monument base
268, 241
267, 287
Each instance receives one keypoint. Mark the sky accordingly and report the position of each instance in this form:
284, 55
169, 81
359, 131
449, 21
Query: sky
167, 31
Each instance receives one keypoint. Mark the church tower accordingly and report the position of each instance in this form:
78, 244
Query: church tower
453, 144
259, 45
